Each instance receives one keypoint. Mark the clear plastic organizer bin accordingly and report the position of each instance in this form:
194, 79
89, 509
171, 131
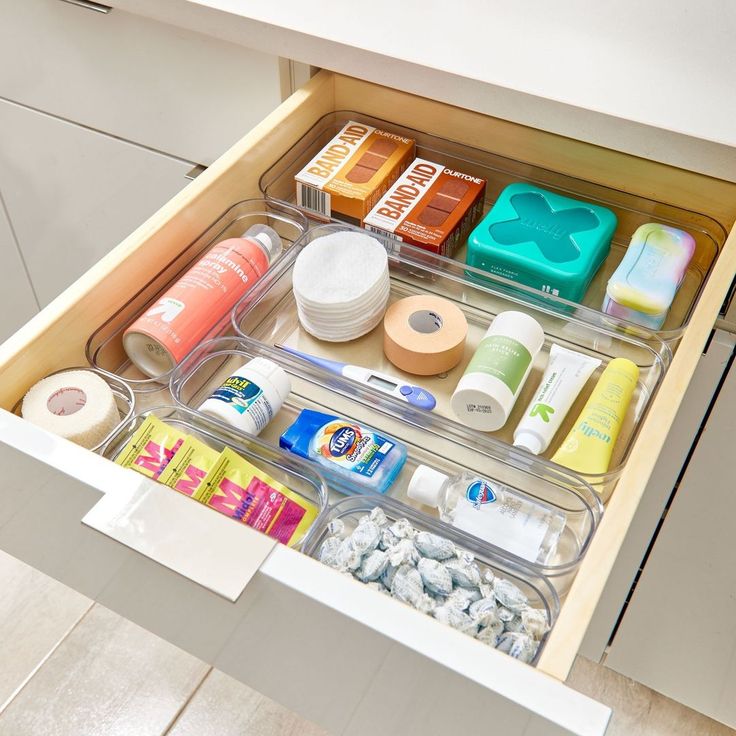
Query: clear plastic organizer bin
270, 317
124, 398
631, 210
537, 588
104, 348
296, 474
204, 370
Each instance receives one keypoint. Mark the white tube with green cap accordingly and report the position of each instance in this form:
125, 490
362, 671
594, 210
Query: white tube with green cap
564, 378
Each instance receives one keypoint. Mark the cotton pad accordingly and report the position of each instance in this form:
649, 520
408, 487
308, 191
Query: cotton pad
341, 285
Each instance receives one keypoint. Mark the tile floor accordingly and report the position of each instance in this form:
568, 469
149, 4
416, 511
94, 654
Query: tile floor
69, 667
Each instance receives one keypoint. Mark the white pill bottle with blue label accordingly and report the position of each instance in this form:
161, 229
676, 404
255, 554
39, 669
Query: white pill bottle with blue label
520, 525
250, 397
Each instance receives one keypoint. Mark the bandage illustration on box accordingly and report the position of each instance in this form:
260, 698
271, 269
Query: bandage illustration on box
353, 171
431, 206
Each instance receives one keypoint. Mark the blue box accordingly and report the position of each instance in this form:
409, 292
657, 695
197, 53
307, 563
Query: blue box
544, 240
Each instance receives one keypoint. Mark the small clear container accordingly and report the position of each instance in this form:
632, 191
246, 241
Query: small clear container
204, 369
631, 210
270, 317
124, 398
297, 475
538, 589
104, 348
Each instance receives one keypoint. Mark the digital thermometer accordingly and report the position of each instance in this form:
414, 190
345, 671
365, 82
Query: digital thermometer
414, 395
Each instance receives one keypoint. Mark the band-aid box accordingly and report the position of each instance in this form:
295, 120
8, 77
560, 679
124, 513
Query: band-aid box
430, 206
353, 171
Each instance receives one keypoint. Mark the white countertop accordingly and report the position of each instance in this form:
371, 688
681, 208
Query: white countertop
653, 78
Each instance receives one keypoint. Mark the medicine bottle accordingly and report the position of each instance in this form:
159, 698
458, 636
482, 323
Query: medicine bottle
250, 397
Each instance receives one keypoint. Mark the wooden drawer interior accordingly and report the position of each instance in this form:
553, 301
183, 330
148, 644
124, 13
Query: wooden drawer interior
56, 337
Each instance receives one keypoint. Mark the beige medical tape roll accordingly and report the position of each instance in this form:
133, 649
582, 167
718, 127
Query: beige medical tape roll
77, 405
424, 335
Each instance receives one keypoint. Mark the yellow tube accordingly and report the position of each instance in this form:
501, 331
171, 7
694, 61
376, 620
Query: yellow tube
589, 445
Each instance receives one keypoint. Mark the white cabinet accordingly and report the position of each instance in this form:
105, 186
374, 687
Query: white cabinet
677, 635
71, 195
164, 87
17, 300
101, 116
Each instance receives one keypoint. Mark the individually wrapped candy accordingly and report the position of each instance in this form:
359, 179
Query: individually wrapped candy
328, 551
425, 603
378, 516
514, 625
373, 566
403, 552
435, 576
388, 539
492, 622
457, 619
461, 598
489, 636
519, 646
488, 576
486, 584
366, 536
488, 618
387, 577
433, 546
347, 557
482, 606
402, 529
505, 614
336, 527
465, 574
534, 622
509, 595
407, 584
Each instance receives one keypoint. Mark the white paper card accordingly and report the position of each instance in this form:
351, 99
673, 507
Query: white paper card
183, 535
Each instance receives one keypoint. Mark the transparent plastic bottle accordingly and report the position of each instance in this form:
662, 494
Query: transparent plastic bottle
523, 526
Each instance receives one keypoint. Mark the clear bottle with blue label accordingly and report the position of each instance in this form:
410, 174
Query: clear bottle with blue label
360, 458
527, 528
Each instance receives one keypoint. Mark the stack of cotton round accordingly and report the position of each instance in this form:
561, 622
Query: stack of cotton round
341, 285
78, 405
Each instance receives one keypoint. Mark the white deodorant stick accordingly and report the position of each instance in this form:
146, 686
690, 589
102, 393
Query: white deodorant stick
77, 405
250, 397
488, 390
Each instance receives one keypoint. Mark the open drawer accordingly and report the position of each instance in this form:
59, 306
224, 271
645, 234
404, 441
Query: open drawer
341, 655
